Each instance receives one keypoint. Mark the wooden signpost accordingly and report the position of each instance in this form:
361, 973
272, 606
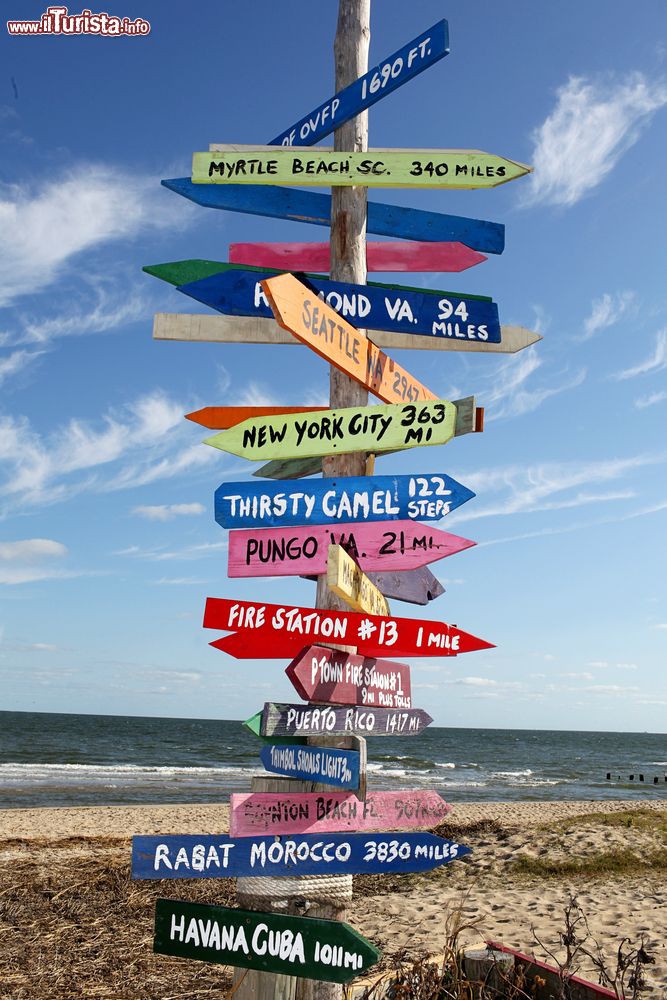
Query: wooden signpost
351, 583
330, 432
358, 533
453, 169
277, 630
417, 586
303, 551
325, 765
279, 720
314, 812
207, 328
315, 323
428, 497
388, 256
219, 856
315, 208
390, 74
235, 290
327, 675
327, 950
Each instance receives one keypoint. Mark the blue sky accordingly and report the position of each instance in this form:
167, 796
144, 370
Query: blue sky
108, 545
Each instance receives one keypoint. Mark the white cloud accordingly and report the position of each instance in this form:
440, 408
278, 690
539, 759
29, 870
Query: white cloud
660, 625
29, 559
43, 226
180, 581
581, 141
606, 311
103, 306
654, 397
506, 391
655, 363
160, 554
540, 487
613, 690
16, 362
148, 435
167, 512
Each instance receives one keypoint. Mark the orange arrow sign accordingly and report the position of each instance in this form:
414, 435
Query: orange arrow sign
317, 325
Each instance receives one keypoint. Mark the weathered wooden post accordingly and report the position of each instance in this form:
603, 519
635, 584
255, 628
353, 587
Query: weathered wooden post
348, 263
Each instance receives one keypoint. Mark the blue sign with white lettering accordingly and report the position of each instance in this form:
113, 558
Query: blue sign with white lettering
374, 306
277, 202
405, 64
325, 765
332, 501
192, 856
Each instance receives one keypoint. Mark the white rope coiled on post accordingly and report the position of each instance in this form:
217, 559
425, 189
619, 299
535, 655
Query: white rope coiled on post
330, 888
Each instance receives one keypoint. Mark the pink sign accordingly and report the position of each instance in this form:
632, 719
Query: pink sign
408, 255
317, 812
376, 546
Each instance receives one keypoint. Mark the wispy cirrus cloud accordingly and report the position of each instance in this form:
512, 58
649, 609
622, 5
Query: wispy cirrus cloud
606, 311
136, 444
512, 393
654, 363
595, 121
642, 402
44, 225
16, 362
551, 486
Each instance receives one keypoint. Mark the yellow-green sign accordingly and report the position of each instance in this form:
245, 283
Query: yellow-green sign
402, 168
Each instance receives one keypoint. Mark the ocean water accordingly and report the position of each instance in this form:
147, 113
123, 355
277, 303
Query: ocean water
63, 760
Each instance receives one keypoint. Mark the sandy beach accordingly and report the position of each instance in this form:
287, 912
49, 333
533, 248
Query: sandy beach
73, 924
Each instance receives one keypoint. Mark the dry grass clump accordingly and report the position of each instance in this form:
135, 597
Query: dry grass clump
82, 929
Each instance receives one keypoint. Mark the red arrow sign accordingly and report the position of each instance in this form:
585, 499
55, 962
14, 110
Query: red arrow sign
327, 675
277, 630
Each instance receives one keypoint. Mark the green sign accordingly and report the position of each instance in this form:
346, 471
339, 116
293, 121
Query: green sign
398, 168
339, 432
267, 942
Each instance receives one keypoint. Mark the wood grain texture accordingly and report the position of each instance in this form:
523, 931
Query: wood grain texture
360, 720
315, 323
302, 550
219, 856
208, 328
239, 938
224, 417
387, 256
315, 208
428, 497
469, 419
321, 813
351, 584
276, 630
325, 765
340, 431
447, 169
416, 586
332, 677
234, 291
